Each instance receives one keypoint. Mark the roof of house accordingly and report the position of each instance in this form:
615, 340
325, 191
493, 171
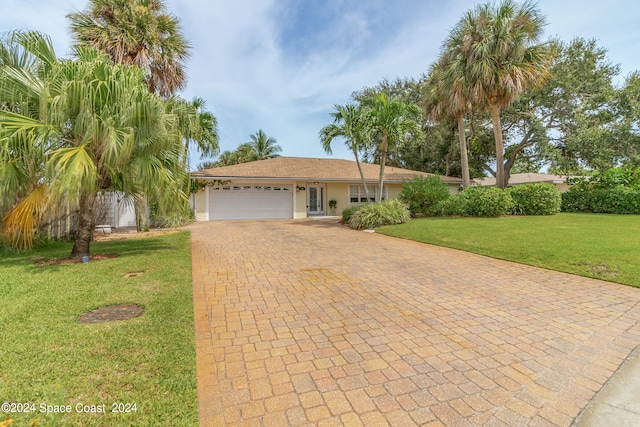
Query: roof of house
526, 178
311, 169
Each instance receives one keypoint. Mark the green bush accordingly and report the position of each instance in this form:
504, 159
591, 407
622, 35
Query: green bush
616, 200
615, 191
487, 201
576, 200
610, 178
348, 212
181, 215
377, 214
423, 194
536, 199
454, 205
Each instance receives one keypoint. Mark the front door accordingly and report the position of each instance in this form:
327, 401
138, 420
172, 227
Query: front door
315, 202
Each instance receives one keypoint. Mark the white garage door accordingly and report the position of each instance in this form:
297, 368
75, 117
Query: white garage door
250, 202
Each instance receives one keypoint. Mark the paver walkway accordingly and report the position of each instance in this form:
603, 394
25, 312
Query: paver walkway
309, 323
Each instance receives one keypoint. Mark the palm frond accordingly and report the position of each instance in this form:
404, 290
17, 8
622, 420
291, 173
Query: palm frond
20, 223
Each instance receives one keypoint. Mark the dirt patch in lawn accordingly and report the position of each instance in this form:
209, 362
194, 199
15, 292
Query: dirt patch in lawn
603, 269
127, 234
111, 313
66, 261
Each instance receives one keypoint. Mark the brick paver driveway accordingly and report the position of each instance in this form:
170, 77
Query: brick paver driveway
306, 322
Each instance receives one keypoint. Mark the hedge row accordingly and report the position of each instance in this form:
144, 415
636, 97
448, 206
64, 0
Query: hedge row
615, 200
429, 197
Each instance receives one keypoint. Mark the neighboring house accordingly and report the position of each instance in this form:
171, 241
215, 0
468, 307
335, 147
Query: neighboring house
529, 178
293, 187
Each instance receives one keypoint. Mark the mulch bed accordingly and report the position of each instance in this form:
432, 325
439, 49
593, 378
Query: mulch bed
111, 313
65, 261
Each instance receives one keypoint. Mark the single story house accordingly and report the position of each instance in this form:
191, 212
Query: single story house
293, 187
529, 178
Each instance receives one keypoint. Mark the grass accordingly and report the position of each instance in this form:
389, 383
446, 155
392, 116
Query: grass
592, 245
48, 358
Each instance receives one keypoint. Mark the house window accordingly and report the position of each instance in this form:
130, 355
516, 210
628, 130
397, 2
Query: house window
357, 194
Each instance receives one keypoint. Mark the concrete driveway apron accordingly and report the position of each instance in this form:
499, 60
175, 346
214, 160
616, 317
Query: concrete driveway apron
309, 323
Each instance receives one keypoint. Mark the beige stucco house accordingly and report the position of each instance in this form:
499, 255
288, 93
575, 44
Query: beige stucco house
293, 187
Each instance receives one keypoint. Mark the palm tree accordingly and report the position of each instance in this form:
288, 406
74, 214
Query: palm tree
138, 32
446, 100
350, 123
227, 158
142, 33
261, 147
392, 121
91, 125
498, 55
195, 124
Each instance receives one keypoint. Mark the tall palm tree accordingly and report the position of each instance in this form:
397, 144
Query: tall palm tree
142, 33
93, 125
138, 32
350, 123
498, 52
261, 147
392, 121
446, 100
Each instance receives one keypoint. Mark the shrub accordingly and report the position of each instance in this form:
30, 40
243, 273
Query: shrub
423, 194
615, 191
610, 178
616, 200
454, 205
576, 200
348, 212
182, 215
487, 201
536, 199
377, 214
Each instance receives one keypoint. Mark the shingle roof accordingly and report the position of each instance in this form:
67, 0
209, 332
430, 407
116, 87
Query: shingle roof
526, 178
310, 169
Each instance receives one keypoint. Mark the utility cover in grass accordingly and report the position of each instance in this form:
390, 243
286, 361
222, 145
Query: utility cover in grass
111, 313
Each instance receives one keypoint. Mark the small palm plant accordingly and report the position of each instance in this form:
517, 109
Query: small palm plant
333, 204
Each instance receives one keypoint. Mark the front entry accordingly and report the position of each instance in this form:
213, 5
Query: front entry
315, 199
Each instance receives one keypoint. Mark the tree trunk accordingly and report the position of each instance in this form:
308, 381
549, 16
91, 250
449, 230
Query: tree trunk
140, 206
364, 183
494, 110
81, 246
464, 160
383, 158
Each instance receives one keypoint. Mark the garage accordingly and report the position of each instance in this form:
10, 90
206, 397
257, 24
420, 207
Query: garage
250, 201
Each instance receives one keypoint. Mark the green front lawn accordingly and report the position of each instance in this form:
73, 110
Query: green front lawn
601, 246
49, 360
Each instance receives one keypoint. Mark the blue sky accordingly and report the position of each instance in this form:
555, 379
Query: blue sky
281, 65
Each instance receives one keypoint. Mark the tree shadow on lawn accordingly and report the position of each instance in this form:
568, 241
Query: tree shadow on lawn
103, 252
